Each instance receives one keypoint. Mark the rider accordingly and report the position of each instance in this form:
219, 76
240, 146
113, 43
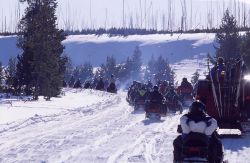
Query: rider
219, 69
197, 121
78, 84
87, 84
155, 96
163, 87
142, 93
185, 89
132, 91
171, 95
100, 85
112, 79
149, 85
112, 86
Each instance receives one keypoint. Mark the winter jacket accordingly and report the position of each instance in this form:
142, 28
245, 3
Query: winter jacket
218, 72
185, 88
163, 89
100, 85
155, 97
201, 124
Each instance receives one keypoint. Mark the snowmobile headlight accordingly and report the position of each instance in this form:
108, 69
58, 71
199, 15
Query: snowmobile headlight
247, 77
222, 73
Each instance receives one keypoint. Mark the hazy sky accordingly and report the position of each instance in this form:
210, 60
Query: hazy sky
140, 13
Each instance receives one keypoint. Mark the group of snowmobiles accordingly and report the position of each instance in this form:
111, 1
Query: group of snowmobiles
158, 101
222, 101
96, 83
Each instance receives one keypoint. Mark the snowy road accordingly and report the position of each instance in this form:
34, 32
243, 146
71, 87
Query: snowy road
105, 131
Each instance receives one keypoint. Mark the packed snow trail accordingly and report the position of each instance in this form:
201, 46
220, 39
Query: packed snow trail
106, 131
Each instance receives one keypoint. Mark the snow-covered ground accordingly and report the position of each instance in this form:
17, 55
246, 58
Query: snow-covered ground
105, 130
95, 127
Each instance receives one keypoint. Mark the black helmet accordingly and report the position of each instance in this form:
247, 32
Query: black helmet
220, 60
197, 107
184, 79
112, 75
156, 88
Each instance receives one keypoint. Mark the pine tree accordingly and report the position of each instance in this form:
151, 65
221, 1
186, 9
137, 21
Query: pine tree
69, 70
163, 69
245, 49
159, 70
110, 67
137, 62
228, 38
150, 69
195, 78
152, 65
83, 72
11, 80
124, 70
41, 66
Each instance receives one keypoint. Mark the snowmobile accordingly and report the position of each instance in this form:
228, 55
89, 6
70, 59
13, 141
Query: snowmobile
153, 111
195, 148
139, 104
174, 106
227, 98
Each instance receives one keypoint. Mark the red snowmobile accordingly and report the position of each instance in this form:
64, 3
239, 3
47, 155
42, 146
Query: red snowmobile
227, 98
154, 111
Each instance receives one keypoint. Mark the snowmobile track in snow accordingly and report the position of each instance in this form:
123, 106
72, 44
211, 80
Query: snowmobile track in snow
106, 131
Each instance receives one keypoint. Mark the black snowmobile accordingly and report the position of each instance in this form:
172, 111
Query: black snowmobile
112, 88
196, 149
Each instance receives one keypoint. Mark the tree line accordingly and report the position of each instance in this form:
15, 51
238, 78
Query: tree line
157, 69
231, 45
131, 69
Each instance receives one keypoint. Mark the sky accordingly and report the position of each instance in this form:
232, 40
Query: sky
79, 14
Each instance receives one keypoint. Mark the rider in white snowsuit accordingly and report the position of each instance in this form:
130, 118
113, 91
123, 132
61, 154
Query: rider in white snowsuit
197, 121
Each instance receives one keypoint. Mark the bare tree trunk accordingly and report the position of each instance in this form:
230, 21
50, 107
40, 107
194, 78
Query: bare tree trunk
145, 14
90, 14
141, 13
106, 18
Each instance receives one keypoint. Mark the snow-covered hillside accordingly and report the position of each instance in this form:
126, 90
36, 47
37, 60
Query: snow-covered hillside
95, 49
92, 126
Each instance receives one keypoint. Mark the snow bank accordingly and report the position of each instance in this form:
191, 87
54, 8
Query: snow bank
15, 110
95, 49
